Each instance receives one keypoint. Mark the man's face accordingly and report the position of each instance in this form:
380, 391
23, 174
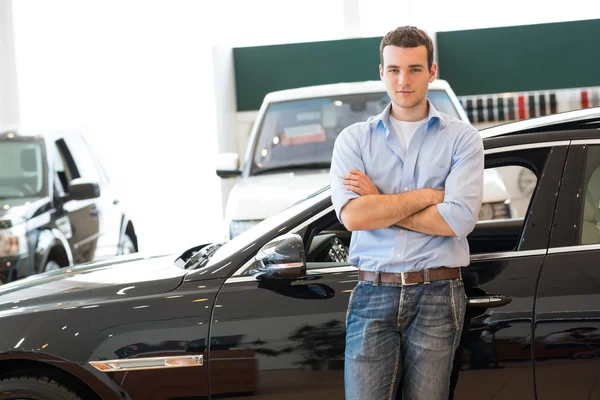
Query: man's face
406, 75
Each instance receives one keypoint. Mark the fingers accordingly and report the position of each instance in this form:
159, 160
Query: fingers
356, 189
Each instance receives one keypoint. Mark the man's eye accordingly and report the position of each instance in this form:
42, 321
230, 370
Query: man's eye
416, 70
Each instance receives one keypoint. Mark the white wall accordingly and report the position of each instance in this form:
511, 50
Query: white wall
9, 112
136, 76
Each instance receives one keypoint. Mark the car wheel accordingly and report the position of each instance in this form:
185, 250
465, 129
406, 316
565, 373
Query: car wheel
128, 245
34, 388
51, 265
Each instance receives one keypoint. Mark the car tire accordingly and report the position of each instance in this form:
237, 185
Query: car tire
128, 246
51, 265
34, 388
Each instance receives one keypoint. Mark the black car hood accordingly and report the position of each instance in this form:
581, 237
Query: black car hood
116, 279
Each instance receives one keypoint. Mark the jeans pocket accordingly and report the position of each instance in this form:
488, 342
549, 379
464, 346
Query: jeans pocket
350, 302
458, 300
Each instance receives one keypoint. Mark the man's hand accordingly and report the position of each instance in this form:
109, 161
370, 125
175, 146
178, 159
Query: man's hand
359, 182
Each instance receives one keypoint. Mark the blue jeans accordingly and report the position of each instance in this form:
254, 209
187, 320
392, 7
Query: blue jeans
400, 340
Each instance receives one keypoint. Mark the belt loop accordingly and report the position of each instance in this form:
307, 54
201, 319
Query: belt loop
426, 277
460, 273
377, 279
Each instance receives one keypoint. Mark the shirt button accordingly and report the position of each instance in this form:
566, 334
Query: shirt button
406, 188
398, 254
401, 230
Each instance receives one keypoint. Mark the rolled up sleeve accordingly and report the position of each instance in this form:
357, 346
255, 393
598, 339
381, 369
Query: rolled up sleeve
464, 185
346, 156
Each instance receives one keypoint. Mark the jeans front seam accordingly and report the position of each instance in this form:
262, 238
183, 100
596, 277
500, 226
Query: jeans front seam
400, 321
455, 342
454, 316
395, 376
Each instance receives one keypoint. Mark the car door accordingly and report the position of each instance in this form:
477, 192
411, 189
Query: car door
109, 215
494, 358
274, 339
76, 219
567, 327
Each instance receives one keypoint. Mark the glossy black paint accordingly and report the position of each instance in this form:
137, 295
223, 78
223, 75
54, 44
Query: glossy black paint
567, 318
284, 338
60, 227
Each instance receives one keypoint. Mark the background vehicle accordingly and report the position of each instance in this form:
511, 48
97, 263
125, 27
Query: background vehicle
56, 206
289, 152
266, 310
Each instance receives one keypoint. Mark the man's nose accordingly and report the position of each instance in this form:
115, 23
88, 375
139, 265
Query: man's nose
402, 78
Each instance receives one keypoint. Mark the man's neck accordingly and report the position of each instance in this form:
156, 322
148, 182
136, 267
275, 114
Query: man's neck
413, 114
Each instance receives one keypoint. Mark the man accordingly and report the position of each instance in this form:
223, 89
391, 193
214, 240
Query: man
408, 183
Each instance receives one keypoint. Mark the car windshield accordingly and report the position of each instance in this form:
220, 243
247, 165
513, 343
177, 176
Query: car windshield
300, 134
22, 168
280, 221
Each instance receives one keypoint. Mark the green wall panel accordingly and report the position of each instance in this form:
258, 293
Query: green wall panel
521, 58
260, 70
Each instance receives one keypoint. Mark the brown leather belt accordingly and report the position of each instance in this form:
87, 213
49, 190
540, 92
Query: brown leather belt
412, 277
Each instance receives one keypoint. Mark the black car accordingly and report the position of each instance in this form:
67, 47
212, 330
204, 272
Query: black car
263, 316
57, 207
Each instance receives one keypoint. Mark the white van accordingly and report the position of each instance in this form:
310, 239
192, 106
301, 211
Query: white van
290, 147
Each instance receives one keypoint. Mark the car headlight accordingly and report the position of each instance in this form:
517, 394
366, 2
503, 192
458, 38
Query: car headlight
236, 228
13, 240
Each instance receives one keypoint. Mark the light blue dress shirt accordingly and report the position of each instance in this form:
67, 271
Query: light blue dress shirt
444, 153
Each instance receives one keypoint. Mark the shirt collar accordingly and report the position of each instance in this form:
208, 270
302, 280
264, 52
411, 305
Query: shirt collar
384, 117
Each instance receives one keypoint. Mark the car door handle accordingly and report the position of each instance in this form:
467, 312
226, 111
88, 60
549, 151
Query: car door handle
94, 212
491, 301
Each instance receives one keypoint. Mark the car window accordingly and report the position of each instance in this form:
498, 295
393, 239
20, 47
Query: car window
22, 172
302, 132
63, 164
507, 192
84, 159
590, 215
327, 242
507, 195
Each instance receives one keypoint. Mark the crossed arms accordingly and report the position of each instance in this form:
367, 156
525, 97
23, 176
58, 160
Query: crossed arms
415, 210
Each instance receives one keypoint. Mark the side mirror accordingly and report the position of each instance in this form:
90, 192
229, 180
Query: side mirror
228, 165
283, 257
83, 190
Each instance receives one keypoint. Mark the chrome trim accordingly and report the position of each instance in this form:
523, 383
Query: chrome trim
478, 301
322, 271
507, 254
332, 270
137, 364
286, 265
569, 249
295, 230
527, 146
87, 240
494, 300
585, 141
240, 279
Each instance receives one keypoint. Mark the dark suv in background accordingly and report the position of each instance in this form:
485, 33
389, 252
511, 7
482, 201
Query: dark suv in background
56, 206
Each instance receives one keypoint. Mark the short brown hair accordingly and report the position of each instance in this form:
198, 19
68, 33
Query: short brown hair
408, 36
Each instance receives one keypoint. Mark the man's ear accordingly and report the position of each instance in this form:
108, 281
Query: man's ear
433, 72
380, 72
